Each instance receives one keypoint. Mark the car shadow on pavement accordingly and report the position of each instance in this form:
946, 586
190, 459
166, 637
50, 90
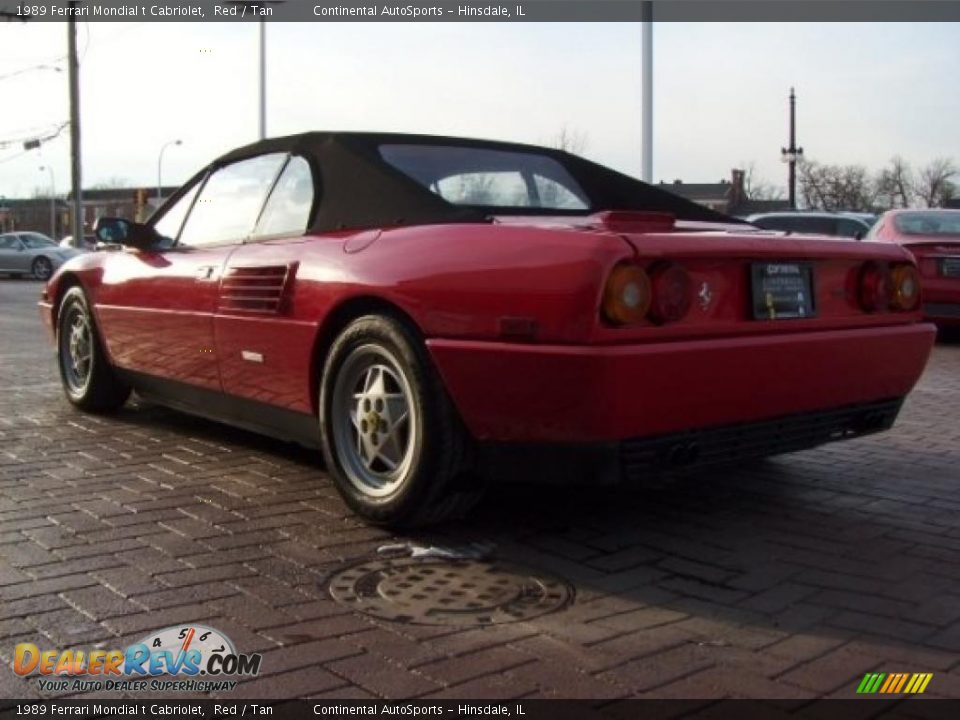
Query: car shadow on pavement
850, 540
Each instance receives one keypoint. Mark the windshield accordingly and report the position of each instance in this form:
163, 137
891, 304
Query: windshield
489, 178
943, 222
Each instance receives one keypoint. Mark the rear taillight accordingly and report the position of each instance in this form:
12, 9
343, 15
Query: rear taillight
874, 292
633, 295
904, 288
626, 297
885, 287
670, 294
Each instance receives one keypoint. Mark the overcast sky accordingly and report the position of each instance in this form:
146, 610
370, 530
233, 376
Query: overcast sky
865, 91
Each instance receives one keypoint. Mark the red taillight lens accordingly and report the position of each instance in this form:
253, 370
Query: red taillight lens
626, 297
875, 292
904, 288
670, 295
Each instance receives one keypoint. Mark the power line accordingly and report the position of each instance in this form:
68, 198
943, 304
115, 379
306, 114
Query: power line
13, 157
34, 139
32, 68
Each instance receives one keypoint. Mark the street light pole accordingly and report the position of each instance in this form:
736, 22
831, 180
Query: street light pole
160, 168
74, 74
646, 96
263, 79
53, 201
792, 154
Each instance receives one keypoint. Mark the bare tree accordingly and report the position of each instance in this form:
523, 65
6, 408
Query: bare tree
574, 141
836, 187
895, 183
112, 183
933, 187
757, 189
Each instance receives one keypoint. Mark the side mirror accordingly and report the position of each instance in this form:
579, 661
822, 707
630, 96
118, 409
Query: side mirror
119, 231
858, 235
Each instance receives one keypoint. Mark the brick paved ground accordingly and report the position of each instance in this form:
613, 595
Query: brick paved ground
790, 578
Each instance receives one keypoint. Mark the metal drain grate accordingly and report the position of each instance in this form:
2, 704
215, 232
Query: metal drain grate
448, 592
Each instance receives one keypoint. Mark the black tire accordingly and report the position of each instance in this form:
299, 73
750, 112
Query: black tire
91, 385
41, 268
432, 481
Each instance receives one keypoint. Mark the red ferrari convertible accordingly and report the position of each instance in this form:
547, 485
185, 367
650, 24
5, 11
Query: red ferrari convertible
425, 309
933, 236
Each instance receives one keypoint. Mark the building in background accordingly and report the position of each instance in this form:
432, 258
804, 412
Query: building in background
726, 196
33, 214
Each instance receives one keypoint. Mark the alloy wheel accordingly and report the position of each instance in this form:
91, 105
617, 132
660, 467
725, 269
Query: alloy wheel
374, 419
76, 350
42, 269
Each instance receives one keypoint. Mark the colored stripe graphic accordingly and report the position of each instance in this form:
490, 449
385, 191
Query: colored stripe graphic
870, 683
918, 683
903, 680
892, 679
894, 683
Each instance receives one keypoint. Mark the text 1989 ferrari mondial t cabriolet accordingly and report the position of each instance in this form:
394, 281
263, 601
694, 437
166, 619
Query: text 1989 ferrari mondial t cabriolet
422, 307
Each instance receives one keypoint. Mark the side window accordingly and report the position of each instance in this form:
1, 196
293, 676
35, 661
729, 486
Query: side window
816, 226
230, 201
9, 242
786, 224
288, 209
850, 228
171, 221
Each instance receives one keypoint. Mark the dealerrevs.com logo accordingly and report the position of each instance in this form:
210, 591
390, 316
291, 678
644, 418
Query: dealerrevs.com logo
201, 659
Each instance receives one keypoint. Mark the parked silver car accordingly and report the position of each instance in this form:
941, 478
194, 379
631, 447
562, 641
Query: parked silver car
31, 253
843, 224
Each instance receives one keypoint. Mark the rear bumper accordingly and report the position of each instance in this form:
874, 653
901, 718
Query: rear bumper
736, 443
635, 459
534, 393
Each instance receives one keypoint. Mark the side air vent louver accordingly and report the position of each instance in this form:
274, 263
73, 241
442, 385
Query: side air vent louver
256, 289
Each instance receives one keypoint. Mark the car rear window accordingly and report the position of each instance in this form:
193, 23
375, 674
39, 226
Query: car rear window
488, 178
928, 223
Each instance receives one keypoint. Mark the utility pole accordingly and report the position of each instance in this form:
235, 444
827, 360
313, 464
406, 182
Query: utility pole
792, 154
263, 79
74, 72
646, 101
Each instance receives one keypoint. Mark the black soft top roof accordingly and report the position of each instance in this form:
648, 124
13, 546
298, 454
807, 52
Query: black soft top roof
359, 189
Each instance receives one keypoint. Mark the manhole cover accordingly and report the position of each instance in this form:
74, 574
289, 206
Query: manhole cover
448, 592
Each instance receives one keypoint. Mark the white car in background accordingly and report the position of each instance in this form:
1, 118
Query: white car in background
32, 253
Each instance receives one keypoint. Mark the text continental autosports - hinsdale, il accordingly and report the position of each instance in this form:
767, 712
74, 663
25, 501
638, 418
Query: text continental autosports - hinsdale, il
415, 710
411, 11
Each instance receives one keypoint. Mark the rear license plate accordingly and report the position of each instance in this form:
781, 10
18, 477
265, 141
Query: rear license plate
950, 267
782, 291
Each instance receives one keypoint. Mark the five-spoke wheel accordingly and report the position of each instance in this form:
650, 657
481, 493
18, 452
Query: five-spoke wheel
76, 349
42, 268
392, 441
374, 422
88, 380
